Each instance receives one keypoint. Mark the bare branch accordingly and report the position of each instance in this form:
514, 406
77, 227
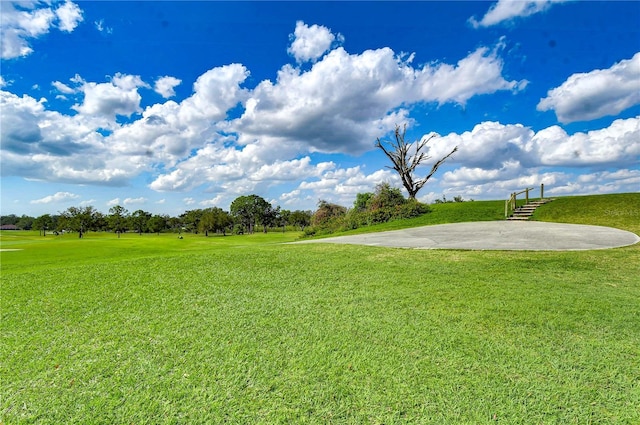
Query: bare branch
405, 163
435, 167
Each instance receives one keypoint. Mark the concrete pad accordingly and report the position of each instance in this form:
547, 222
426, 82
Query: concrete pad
495, 235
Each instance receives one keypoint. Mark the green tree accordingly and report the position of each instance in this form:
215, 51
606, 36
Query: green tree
175, 223
215, 220
207, 221
139, 219
406, 157
251, 210
191, 220
157, 223
78, 219
284, 217
118, 219
43, 223
100, 222
268, 216
9, 219
300, 219
223, 221
25, 222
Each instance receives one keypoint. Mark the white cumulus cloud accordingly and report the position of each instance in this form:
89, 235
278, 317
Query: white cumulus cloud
490, 145
618, 144
495, 159
592, 95
47, 145
56, 198
215, 201
311, 42
21, 22
118, 97
63, 88
134, 201
165, 86
507, 10
341, 185
69, 16
339, 104
346, 100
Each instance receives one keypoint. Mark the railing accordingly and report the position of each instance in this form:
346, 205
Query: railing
511, 203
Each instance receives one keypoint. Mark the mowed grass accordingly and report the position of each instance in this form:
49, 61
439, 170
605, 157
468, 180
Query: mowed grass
243, 329
617, 210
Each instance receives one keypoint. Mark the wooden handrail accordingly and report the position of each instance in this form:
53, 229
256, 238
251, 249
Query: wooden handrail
510, 204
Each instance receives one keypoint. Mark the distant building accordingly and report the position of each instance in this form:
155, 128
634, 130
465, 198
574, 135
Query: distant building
9, 227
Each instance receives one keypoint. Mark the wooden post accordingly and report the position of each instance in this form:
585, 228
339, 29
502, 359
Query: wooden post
541, 191
506, 208
526, 196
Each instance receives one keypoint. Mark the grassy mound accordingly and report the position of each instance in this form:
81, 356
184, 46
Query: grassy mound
615, 210
244, 329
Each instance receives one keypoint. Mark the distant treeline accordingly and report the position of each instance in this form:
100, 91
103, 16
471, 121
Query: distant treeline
245, 215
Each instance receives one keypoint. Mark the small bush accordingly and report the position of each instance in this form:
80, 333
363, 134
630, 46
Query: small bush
385, 197
309, 231
412, 209
444, 200
327, 213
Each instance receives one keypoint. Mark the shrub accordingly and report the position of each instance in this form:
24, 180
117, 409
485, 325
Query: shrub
385, 197
413, 208
327, 212
386, 204
362, 201
355, 219
444, 200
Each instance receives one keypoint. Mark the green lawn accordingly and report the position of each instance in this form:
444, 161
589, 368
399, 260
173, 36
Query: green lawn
617, 210
243, 329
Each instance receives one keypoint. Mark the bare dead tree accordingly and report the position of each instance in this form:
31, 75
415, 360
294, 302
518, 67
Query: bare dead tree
406, 157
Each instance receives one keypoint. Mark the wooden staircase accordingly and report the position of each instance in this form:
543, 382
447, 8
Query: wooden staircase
525, 212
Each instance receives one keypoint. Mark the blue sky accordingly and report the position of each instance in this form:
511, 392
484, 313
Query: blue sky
170, 106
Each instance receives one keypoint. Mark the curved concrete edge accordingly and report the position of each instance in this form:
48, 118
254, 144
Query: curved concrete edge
497, 236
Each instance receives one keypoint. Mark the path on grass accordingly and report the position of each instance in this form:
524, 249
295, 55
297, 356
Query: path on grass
495, 235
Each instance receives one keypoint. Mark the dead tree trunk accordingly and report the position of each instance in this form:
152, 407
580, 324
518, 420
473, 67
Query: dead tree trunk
406, 157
